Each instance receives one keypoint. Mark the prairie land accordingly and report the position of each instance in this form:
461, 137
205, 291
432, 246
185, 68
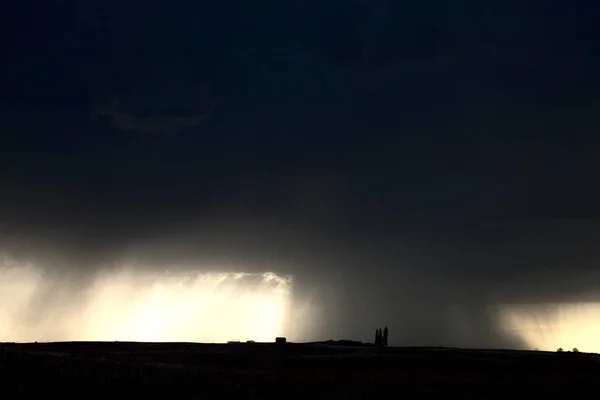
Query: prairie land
333, 370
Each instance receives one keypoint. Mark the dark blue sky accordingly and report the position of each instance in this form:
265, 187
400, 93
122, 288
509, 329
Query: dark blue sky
338, 126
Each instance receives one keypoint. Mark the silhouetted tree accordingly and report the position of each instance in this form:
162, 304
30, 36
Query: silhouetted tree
575, 350
378, 337
384, 339
560, 350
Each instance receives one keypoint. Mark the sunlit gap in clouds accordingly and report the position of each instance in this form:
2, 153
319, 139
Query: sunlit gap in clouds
553, 326
129, 304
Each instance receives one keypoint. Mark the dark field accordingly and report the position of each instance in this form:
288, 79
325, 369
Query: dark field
304, 371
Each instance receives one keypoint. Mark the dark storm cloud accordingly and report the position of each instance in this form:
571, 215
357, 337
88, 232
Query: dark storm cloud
126, 120
411, 165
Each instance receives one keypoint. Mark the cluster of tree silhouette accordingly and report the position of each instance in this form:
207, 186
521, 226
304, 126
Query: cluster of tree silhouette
560, 350
381, 337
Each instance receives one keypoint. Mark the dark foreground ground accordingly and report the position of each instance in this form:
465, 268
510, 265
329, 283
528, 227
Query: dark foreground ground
87, 370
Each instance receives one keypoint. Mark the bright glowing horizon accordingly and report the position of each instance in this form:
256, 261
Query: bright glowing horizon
130, 306
552, 326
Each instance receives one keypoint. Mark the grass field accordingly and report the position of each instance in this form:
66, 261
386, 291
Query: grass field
291, 371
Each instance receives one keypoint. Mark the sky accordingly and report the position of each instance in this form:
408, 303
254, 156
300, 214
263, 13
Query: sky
410, 164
